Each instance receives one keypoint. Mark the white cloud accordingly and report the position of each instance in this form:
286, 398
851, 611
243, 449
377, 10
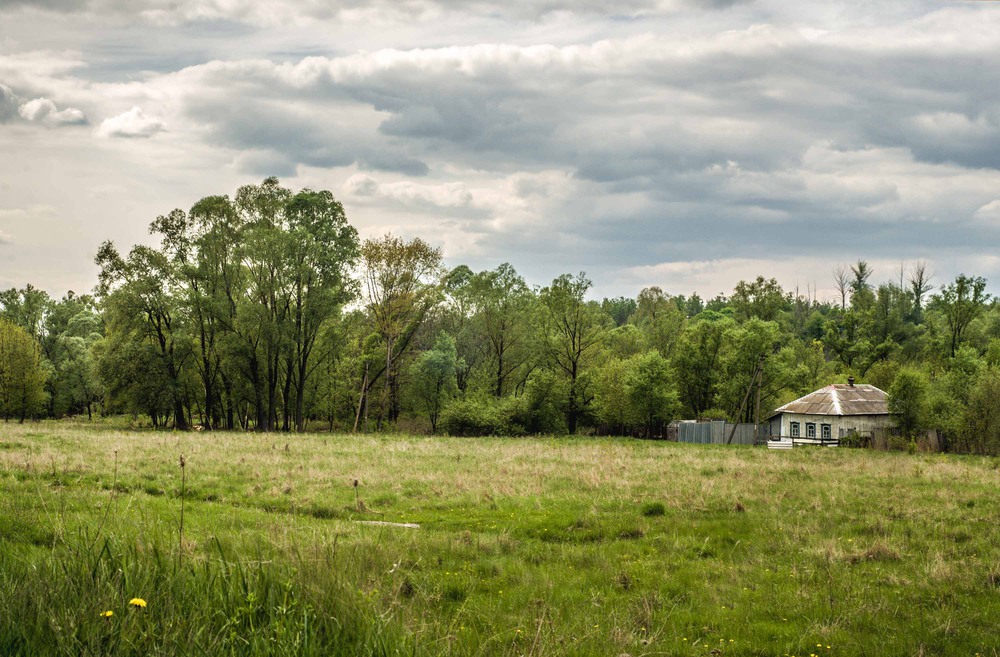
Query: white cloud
43, 110
131, 124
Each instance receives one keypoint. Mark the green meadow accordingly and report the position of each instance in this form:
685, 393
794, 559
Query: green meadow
535, 546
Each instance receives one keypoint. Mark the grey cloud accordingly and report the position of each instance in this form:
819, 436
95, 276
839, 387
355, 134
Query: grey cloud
647, 120
283, 132
8, 104
681, 145
388, 161
255, 11
265, 163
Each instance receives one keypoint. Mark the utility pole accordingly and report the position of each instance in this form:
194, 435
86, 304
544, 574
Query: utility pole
756, 415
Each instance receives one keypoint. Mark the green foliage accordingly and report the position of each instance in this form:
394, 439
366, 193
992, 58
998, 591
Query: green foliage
242, 318
981, 429
401, 283
746, 346
908, 401
660, 318
761, 299
612, 403
573, 328
22, 375
620, 309
650, 389
543, 404
486, 416
961, 302
433, 377
696, 365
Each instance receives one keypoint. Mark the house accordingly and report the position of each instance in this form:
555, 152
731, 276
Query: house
827, 415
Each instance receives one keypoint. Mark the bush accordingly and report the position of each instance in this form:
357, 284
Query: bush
852, 439
542, 407
482, 417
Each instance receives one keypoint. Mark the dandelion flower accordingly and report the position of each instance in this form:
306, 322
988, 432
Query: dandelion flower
137, 602
107, 614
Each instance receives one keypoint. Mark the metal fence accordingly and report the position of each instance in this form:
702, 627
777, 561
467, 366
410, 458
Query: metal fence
716, 432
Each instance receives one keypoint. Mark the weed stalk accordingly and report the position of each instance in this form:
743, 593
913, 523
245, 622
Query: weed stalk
180, 537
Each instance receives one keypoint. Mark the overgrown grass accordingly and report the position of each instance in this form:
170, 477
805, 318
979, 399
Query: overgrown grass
552, 546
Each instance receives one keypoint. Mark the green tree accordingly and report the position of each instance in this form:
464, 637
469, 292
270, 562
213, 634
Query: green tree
961, 302
22, 375
651, 391
140, 306
660, 318
612, 404
322, 249
401, 282
744, 347
503, 305
908, 401
432, 377
573, 328
696, 364
620, 309
981, 426
26, 308
861, 290
762, 299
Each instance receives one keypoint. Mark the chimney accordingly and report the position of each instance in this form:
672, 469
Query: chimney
850, 381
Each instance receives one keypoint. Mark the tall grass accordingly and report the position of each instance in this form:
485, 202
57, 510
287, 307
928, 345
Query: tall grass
52, 601
551, 546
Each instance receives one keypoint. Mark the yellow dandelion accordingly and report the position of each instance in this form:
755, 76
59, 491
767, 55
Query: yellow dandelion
107, 614
137, 602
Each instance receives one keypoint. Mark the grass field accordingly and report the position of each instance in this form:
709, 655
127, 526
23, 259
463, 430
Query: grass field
555, 546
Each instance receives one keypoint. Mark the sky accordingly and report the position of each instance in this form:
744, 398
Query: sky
687, 144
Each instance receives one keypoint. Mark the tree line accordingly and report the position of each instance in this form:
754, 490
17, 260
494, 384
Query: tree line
265, 311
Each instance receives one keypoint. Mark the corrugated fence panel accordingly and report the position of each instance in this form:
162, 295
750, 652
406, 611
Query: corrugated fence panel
714, 433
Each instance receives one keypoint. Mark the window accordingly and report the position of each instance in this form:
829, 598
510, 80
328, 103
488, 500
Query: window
827, 433
810, 429
795, 429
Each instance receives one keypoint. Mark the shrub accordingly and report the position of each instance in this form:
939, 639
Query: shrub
852, 439
482, 417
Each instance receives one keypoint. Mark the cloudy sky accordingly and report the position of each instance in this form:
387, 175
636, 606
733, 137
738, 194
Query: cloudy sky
680, 143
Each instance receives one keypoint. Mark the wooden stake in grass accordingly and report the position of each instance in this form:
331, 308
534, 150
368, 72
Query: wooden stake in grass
180, 538
357, 496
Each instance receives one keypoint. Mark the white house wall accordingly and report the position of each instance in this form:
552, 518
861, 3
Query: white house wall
860, 423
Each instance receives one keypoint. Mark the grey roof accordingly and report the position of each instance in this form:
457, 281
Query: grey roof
840, 399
